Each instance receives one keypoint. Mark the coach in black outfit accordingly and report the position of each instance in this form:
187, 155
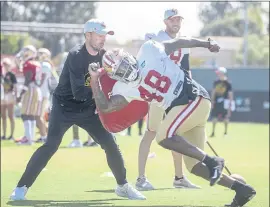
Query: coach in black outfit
73, 103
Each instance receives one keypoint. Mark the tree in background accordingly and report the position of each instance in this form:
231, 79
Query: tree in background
258, 51
210, 11
12, 44
49, 12
227, 19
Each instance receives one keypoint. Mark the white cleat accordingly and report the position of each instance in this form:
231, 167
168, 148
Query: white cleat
24, 141
129, 192
142, 184
19, 193
185, 183
76, 143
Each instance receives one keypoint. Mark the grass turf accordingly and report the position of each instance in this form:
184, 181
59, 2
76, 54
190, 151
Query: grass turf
77, 177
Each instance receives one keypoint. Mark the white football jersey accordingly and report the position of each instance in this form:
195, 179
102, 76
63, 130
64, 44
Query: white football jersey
46, 68
160, 80
176, 56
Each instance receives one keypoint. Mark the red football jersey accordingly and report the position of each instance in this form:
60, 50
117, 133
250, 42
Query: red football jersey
33, 66
119, 120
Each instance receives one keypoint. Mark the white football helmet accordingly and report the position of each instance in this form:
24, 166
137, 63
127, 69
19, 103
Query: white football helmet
27, 52
43, 54
120, 65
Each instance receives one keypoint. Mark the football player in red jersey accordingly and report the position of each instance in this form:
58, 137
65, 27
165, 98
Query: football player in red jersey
30, 95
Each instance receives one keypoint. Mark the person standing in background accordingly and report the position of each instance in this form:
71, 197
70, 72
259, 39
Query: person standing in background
222, 100
30, 94
9, 87
173, 21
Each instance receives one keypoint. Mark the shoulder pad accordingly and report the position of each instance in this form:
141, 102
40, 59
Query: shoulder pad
30, 63
102, 52
149, 36
46, 64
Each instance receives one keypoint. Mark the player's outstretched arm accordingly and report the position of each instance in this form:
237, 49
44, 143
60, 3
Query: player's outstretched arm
104, 105
184, 42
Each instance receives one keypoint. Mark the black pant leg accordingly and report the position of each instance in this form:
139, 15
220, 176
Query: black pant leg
58, 125
140, 125
107, 142
129, 131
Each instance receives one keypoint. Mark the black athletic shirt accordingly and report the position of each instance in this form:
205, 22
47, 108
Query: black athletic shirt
8, 82
221, 89
73, 88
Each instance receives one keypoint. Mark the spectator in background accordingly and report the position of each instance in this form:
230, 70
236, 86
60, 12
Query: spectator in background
222, 100
9, 82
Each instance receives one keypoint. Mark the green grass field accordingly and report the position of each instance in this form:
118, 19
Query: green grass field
75, 177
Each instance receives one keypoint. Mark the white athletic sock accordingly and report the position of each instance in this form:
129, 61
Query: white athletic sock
27, 129
33, 129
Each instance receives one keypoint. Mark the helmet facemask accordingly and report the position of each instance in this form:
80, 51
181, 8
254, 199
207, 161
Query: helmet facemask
28, 52
124, 67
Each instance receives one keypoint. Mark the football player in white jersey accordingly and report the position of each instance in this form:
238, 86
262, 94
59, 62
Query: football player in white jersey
173, 21
154, 78
44, 57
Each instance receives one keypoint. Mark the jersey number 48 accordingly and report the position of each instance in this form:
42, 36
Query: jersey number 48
162, 84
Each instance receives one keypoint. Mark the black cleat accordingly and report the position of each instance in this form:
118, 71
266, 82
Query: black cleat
90, 144
216, 169
10, 137
40, 140
243, 195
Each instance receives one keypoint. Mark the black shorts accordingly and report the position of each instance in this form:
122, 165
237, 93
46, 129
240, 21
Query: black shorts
219, 112
191, 90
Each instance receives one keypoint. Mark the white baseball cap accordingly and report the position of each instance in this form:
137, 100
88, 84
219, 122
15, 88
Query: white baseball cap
171, 13
222, 70
97, 26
